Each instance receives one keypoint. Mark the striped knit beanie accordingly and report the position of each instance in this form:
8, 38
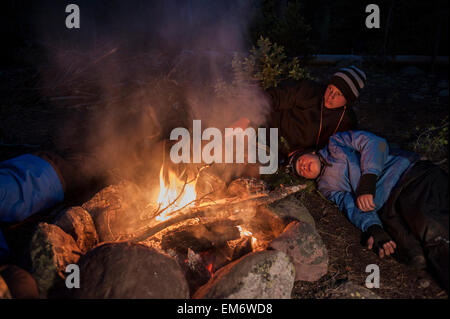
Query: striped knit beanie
350, 81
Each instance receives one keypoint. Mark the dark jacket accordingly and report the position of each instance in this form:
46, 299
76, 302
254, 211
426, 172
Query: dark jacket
295, 111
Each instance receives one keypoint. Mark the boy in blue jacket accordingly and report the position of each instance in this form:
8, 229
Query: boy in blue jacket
32, 183
28, 184
399, 202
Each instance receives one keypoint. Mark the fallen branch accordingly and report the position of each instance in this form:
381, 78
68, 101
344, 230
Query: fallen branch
232, 205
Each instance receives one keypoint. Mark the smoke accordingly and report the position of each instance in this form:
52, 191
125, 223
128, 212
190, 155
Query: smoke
143, 68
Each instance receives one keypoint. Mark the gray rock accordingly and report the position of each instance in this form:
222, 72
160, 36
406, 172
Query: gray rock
126, 270
349, 290
305, 247
78, 223
411, 71
51, 250
443, 93
260, 275
116, 210
4, 291
292, 207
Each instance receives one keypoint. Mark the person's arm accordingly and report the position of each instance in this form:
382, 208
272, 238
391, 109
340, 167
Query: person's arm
28, 184
286, 97
369, 223
374, 151
346, 203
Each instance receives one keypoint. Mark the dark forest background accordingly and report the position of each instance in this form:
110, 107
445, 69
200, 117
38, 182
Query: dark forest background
413, 27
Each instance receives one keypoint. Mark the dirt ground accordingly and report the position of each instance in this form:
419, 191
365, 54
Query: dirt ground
348, 260
393, 105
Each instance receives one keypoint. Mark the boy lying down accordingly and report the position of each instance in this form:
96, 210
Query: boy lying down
400, 203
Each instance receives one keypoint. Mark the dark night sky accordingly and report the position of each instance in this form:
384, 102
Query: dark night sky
178, 24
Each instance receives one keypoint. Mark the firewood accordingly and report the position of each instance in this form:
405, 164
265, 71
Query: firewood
231, 205
201, 237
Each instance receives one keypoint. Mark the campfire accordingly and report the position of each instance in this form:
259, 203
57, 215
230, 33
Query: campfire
200, 222
206, 229
174, 195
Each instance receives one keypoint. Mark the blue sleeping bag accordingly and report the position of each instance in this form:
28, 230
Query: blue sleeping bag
28, 184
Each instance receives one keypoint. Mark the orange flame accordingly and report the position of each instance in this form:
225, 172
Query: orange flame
246, 233
168, 194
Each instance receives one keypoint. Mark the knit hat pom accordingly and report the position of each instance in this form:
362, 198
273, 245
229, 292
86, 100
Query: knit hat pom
350, 81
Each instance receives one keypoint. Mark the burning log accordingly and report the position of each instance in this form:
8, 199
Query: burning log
201, 237
232, 206
247, 187
243, 247
210, 185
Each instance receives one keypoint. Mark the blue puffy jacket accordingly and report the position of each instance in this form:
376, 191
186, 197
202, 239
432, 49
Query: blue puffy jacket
28, 184
352, 154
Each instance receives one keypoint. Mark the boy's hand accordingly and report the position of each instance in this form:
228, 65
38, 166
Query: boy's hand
379, 239
387, 249
365, 202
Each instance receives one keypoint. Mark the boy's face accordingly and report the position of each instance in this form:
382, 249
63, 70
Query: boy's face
333, 97
308, 166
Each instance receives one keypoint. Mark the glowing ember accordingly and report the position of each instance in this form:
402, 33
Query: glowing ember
170, 196
210, 268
